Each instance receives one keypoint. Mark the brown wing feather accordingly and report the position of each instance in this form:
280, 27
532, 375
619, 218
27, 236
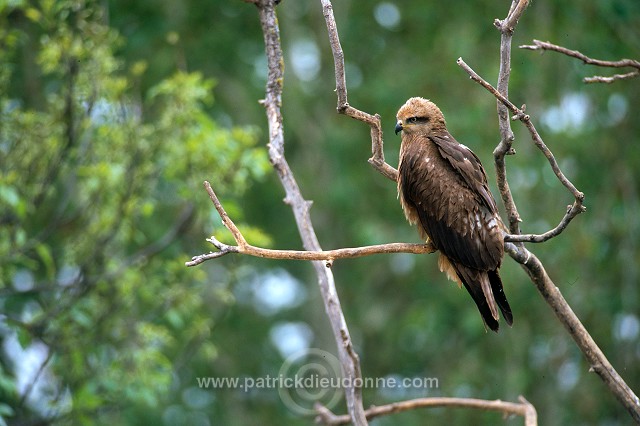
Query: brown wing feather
450, 205
468, 165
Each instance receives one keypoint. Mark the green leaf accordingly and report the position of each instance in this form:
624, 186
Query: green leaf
45, 255
24, 337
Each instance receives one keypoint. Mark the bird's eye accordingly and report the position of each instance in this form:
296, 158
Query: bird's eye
414, 120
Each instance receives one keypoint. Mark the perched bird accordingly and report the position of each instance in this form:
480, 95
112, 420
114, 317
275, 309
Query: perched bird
443, 190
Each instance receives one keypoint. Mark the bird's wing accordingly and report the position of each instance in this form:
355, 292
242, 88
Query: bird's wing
467, 164
450, 205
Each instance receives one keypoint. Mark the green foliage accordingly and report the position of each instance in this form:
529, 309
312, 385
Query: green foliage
102, 201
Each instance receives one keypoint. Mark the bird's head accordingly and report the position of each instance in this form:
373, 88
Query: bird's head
419, 115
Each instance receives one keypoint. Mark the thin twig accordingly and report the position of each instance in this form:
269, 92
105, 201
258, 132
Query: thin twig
572, 211
623, 63
609, 80
508, 25
226, 220
31, 385
524, 409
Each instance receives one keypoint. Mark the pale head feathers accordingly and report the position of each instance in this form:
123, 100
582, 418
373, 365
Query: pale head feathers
419, 115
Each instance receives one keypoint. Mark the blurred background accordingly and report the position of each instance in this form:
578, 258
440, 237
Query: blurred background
114, 112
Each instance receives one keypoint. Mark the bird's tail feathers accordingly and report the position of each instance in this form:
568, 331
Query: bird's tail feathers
488, 295
500, 297
486, 290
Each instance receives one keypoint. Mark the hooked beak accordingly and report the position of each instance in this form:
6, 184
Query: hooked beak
398, 127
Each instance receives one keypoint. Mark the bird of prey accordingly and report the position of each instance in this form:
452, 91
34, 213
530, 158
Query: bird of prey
443, 190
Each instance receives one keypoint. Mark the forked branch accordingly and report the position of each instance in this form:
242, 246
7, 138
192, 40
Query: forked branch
328, 256
373, 121
623, 63
573, 210
529, 262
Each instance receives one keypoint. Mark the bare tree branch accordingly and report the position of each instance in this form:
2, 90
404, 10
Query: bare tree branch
373, 121
524, 409
545, 45
328, 256
623, 63
506, 27
349, 360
